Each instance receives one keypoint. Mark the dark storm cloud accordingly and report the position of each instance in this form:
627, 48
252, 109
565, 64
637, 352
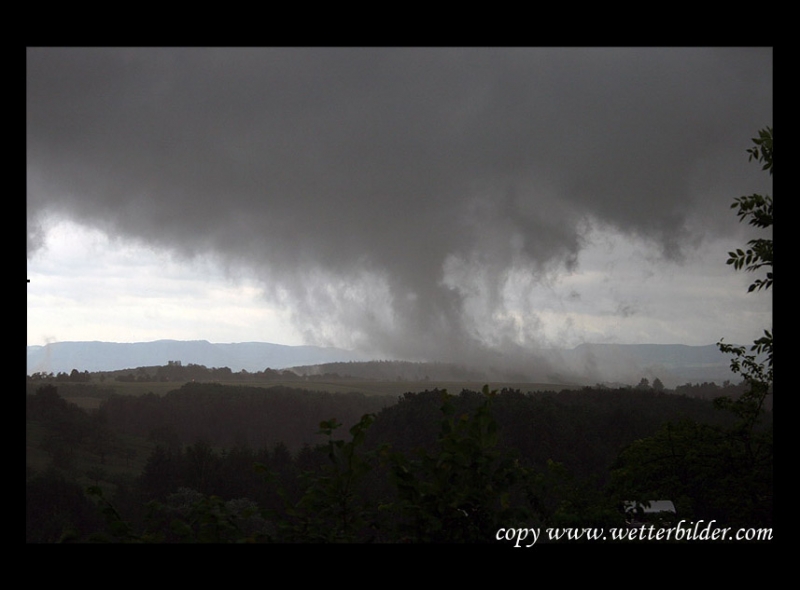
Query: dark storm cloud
327, 171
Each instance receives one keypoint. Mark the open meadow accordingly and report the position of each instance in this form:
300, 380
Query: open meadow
90, 395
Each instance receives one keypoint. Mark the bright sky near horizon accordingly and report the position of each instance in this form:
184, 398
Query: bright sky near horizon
428, 204
89, 287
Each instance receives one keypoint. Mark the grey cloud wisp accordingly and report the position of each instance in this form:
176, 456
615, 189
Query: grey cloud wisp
386, 195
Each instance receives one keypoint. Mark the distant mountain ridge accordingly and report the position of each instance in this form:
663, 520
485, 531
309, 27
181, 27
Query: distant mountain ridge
112, 356
673, 364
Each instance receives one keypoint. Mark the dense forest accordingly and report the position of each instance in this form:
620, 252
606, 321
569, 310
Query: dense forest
214, 462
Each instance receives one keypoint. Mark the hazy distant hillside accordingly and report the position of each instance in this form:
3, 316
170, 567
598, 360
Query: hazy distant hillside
393, 370
673, 364
587, 364
111, 356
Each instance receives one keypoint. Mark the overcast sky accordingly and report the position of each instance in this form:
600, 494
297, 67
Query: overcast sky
440, 204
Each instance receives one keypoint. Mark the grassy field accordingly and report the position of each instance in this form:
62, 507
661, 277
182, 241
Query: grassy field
89, 396
396, 388
391, 388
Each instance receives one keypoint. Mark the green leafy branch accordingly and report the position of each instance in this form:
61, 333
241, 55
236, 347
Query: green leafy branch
757, 209
762, 152
467, 488
330, 510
